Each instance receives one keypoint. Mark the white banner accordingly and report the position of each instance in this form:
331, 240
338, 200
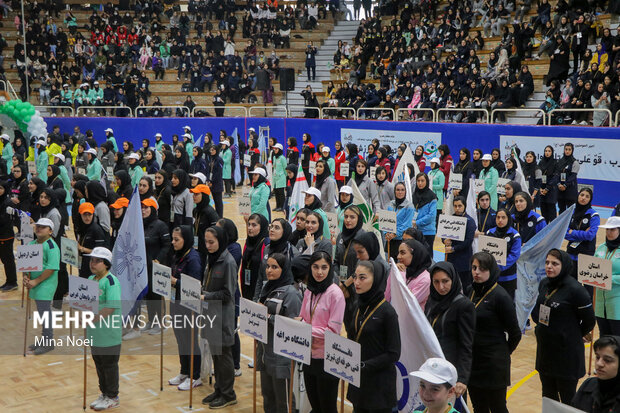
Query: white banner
292, 339
430, 141
598, 157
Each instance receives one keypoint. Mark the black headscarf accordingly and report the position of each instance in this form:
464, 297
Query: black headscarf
422, 196
124, 189
96, 192
322, 177
40, 187
343, 205
316, 204
437, 304
581, 210
461, 163
231, 230
261, 179
319, 232
222, 240
168, 160
49, 192
501, 232
314, 286
298, 234
516, 188
149, 192
521, 216
255, 242
148, 220
164, 184
280, 245
349, 234
286, 277
379, 169
377, 290
359, 178
481, 288
369, 241
567, 268
183, 181
55, 173
7, 192
513, 161
415, 155
566, 161
529, 169
420, 261
398, 201
188, 240
183, 161
547, 165
613, 244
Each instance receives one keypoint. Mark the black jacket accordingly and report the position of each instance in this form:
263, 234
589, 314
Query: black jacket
495, 316
590, 400
93, 236
163, 200
461, 257
157, 242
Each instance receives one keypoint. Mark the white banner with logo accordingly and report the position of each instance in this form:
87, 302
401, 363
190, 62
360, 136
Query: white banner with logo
430, 141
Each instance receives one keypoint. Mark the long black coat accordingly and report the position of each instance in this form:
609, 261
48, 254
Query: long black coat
495, 316
589, 398
560, 350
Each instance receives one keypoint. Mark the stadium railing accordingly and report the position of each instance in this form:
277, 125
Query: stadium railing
325, 109
593, 110
445, 110
406, 117
242, 114
49, 108
518, 110
377, 109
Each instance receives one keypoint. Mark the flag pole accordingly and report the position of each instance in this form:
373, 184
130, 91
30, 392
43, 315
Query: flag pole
254, 381
161, 348
290, 387
85, 375
592, 337
191, 364
26, 325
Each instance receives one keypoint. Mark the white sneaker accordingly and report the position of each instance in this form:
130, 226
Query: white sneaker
237, 372
574, 122
584, 123
107, 403
155, 330
131, 335
185, 385
178, 379
96, 402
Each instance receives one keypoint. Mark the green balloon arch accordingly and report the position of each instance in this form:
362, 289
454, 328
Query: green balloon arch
26, 117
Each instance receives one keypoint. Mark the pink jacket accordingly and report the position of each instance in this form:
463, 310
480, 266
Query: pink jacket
419, 286
327, 314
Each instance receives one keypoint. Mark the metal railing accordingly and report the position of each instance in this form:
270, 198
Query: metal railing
444, 110
407, 117
376, 109
96, 108
326, 116
609, 115
8, 88
617, 118
293, 109
55, 108
517, 110
264, 109
243, 109
184, 109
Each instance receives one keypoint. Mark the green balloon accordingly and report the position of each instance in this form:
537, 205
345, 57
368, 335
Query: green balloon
27, 119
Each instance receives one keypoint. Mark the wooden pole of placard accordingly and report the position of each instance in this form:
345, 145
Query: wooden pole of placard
85, 368
71, 310
161, 348
342, 396
191, 364
290, 387
592, 338
254, 381
23, 290
26, 325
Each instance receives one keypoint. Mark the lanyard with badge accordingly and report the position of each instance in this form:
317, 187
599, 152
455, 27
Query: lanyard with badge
247, 273
545, 311
313, 307
359, 330
483, 297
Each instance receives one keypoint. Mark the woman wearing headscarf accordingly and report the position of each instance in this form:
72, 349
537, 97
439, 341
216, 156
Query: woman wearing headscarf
339, 158
508, 199
163, 196
375, 328
452, 318
405, 213
445, 163
504, 229
91, 235
214, 173
312, 201
135, 170
279, 233
385, 189
496, 336
353, 157
118, 209
424, 203
152, 166
204, 217
123, 184
564, 316
59, 162
292, 152
497, 162
326, 184
567, 168
119, 162
185, 261
314, 238
168, 162
259, 194
281, 298
413, 264
181, 158
93, 169
420, 160
459, 253
437, 182
20, 195
466, 168
107, 157
7, 238
526, 221
323, 307
533, 177
42, 159
548, 184
48, 208
581, 233
35, 187
489, 175
300, 226
198, 164
182, 201
95, 194
80, 158
253, 254
511, 169
477, 162
367, 188
53, 177
607, 305
220, 283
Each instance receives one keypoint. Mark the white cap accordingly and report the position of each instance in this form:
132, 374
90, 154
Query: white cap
312, 191
279, 146
201, 177
65, 85
437, 371
5, 136
346, 190
187, 127
96, 82
436, 160
158, 134
225, 142
486, 157
45, 222
134, 156
84, 84
101, 252
109, 130
612, 222
187, 135
325, 149
41, 142
259, 171
60, 156
252, 130
92, 151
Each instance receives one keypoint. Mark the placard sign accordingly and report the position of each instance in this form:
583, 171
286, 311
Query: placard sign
110, 172
69, 251
332, 220
247, 160
497, 247
30, 257
387, 220
373, 173
344, 169
245, 206
452, 227
84, 294
32, 167
594, 271
292, 339
312, 168
456, 181
501, 186
190, 293
162, 284
342, 358
478, 186
26, 233
253, 320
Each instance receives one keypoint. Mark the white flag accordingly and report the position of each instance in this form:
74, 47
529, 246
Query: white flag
129, 256
297, 200
472, 211
401, 174
520, 176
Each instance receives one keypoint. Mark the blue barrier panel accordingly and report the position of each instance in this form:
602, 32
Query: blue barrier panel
599, 158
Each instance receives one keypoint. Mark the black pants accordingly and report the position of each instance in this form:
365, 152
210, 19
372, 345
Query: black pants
430, 240
279, 192
608, 327
321, 387
8, 259
549, 211
564, 204
224, 369
488, 400
510, 287
153, 306
562, 390
229, 184
313, 70
219, 205
63, 286
106, 363
275, 393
